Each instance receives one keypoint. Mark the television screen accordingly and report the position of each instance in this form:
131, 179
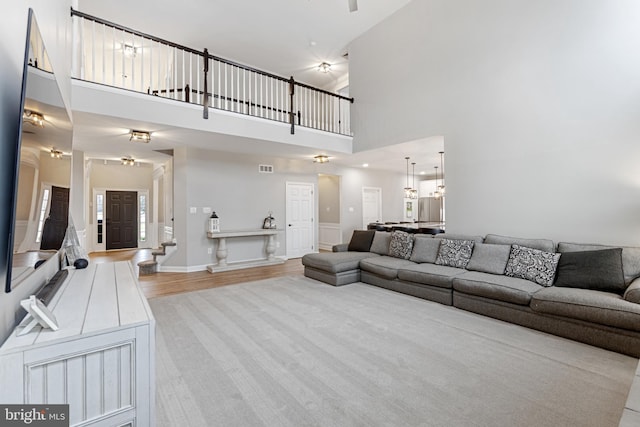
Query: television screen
41, 167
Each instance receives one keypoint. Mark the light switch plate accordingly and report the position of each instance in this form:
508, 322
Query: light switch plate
193, 210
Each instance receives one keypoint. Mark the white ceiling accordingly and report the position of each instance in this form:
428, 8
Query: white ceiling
285, 37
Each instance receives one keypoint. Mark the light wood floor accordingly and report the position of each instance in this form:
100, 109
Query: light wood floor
159, 284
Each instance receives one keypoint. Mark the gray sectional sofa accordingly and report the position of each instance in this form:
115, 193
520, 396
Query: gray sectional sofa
591, 295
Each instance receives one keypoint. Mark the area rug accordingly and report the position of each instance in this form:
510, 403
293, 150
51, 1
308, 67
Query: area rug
296, 352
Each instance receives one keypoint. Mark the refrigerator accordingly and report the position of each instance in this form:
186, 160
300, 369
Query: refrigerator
429, 209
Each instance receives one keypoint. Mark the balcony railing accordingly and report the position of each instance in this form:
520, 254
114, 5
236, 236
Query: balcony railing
117, 56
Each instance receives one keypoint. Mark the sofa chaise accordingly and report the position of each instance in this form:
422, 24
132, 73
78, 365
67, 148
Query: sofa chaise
585, 292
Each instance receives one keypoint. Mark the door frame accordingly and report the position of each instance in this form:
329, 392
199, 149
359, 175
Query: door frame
314, 208
377, 190
102, 247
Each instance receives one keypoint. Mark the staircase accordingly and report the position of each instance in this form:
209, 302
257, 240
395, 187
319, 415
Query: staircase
151, 266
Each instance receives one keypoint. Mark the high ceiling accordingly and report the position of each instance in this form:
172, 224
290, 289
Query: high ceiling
285, 37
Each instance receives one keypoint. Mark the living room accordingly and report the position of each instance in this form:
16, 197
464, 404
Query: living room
536, 101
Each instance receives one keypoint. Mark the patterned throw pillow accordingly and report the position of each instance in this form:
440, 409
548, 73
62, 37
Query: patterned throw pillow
532, 264
455, 253
401, 244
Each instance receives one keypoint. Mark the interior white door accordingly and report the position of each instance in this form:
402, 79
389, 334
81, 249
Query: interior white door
300, 222
371, 205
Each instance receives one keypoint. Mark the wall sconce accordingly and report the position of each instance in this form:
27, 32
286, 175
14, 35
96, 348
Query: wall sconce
140, 136
324, 67
321, 158
128, 161
34, 118
56, 154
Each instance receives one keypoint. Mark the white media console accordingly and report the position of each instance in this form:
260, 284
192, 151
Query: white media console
101, 360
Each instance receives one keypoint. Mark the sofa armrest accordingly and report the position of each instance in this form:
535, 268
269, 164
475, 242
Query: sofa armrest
342, 247
632, 294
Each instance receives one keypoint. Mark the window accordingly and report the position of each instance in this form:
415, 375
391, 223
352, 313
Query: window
43, 212
142, 205
100, 216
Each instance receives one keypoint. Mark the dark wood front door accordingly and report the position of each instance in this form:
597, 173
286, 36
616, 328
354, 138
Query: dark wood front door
122, 219
55, 226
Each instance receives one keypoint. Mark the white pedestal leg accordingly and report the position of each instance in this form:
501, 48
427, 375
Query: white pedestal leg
221, 252
271, 247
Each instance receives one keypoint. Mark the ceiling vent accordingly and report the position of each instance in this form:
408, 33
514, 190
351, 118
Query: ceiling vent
265, 168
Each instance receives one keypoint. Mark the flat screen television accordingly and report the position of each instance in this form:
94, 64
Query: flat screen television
36, 167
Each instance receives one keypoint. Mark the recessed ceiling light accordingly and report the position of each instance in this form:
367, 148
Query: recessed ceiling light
365, 165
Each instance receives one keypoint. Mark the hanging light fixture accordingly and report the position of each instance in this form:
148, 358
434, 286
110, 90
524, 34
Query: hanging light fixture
55, 154
414, 191
320, 158
128, 161
407, 189
441, 188
437, 193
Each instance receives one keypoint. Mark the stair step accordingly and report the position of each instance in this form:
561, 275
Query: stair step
168, 243
158, 252
147, 267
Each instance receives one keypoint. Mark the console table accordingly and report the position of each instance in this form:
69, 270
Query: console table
101, 360
221, 252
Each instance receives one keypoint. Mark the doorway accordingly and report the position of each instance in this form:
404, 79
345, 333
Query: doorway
300, 219
55, 226
121, 218
371, 205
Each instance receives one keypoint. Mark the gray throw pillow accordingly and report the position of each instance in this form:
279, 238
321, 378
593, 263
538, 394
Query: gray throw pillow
599, 270
532, 264
401, 244
489, 258
425, 249
361, 240
455, 253
632, 294
380, 244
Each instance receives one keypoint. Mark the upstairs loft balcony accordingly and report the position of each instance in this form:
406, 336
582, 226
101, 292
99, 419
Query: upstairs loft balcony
120, 57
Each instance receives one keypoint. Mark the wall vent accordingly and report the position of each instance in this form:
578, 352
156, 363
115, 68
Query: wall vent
265, 168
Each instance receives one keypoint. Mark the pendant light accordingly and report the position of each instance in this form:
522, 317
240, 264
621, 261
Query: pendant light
407, 189
414, 191
441, 188
437, 194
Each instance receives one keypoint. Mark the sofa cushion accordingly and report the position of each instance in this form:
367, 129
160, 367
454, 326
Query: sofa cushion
502, 288
336, 262
532, 264
489, 258
630, 256
632, 294
380, 244
540, 244
401, 244
430, 274
599, 270
600, 307
361, 240
455, 253
425, 249
384, 266
476, 239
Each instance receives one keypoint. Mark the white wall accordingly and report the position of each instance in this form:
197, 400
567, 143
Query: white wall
538, 102
54, 21
231, 185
